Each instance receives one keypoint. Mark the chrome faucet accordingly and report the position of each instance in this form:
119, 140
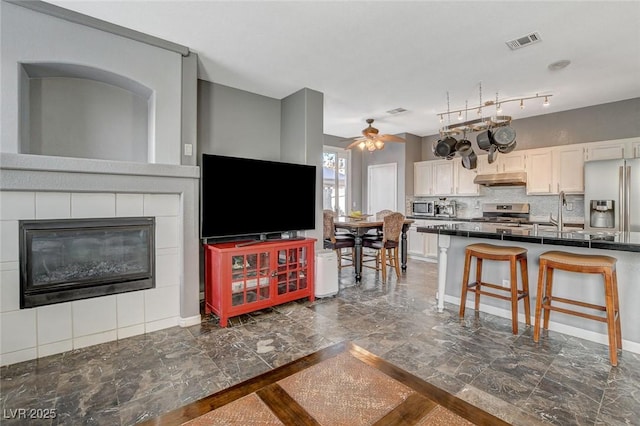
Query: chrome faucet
562, 201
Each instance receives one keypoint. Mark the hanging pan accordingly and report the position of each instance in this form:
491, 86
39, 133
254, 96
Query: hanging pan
484, 140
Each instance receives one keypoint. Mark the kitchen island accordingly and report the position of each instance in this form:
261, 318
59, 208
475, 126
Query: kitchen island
452, 240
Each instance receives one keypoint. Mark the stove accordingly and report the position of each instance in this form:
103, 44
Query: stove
504, 213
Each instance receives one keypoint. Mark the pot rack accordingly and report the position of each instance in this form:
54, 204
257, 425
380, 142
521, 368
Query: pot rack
482, 123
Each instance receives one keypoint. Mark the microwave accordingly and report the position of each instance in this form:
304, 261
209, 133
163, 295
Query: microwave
423, 208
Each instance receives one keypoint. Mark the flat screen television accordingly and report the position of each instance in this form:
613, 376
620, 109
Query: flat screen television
258, 199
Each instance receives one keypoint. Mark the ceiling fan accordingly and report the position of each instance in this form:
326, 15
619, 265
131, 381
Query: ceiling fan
371, 140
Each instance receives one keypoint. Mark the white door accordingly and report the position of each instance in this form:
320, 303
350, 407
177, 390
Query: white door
382, 187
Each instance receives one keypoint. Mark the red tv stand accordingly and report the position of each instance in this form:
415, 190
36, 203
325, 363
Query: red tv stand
241, 278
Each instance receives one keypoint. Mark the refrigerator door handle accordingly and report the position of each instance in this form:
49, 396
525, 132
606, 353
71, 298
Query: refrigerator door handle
627, 201
621, 197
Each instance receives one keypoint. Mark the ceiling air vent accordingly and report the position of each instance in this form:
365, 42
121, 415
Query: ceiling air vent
524, 41
396, 111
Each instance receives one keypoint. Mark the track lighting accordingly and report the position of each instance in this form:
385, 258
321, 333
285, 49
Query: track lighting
487, 122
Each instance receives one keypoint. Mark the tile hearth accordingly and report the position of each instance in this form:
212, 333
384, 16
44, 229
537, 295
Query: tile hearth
562, 381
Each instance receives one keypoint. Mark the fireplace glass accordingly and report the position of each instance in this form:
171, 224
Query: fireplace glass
72, 259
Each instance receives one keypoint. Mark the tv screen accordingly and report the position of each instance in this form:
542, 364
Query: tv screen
248, 197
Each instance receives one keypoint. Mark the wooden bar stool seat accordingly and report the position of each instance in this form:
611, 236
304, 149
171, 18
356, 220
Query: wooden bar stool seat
588, 264
511, 254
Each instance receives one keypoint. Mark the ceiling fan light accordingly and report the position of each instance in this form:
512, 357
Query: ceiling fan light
546, 101
521, 103
379, 144
361, 145
499, 108
459, 115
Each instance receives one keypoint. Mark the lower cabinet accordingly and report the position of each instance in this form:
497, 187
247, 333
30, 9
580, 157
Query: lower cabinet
422, 245
243, 278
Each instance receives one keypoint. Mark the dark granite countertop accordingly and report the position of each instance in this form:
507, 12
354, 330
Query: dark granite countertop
627, 241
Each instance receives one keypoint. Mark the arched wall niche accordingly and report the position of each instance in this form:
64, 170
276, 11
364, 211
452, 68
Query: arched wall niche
71, 110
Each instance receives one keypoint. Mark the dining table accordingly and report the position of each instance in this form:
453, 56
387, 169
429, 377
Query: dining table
360, 226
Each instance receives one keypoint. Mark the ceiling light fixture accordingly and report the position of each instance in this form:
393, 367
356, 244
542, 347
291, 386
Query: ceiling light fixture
558, 65
546, 101
521, 103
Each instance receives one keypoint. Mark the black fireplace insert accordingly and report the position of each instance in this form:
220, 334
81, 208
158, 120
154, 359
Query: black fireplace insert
71, 259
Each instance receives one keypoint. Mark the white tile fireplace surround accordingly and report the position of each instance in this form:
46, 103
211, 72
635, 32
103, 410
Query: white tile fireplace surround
39, 187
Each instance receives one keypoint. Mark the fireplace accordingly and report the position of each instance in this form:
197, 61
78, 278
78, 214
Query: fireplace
72, 259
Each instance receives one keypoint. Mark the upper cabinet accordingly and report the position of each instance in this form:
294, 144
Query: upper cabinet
423, 178
605, 150
540, 171
443, 177
569, 168
463, 179
511, 162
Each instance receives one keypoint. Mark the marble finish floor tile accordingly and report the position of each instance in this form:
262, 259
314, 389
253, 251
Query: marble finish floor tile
562, 380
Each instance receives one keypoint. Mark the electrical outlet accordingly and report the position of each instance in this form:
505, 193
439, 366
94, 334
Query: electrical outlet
188, 149
506, 283
569, 206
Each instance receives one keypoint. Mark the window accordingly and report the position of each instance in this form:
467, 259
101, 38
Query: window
336, 191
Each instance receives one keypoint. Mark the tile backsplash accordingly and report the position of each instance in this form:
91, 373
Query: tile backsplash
541, 205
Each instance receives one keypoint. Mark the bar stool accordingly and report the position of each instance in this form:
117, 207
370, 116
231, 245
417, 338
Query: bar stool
589, 264
511, 254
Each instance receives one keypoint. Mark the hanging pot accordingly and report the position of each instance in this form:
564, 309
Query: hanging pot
470, 161
446, 147
505, 149
503, 136
484, 140
464, 147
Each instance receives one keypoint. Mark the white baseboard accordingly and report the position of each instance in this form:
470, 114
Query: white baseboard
592, 336
188, 322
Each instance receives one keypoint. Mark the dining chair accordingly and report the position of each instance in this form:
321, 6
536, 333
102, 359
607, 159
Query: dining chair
388, 247
337, 242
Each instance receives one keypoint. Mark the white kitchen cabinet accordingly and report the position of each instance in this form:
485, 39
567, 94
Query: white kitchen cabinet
569, 168
540, 176
605, 150
635, 149
511, 162
555, 169
443, 177
463, 179
415, 240
423, 178
422, 245
484, 167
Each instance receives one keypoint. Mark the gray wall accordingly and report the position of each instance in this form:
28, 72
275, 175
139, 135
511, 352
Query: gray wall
60, 41
237, 123
82, 118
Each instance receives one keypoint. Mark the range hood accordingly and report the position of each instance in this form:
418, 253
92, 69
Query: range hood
501, 179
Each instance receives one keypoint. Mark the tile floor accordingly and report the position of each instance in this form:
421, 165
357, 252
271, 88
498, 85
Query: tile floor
562, 381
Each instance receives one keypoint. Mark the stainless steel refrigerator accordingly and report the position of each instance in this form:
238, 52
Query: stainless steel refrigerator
612, 195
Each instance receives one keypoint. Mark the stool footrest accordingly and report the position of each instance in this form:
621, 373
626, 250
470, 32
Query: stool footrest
574, 302
572, 312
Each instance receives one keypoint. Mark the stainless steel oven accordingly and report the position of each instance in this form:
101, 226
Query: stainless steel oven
423, 209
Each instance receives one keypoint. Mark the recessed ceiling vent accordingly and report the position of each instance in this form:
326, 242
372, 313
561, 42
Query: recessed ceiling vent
396, 111
523, 41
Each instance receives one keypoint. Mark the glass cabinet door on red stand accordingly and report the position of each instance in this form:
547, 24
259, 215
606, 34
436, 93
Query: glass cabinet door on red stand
243, 278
